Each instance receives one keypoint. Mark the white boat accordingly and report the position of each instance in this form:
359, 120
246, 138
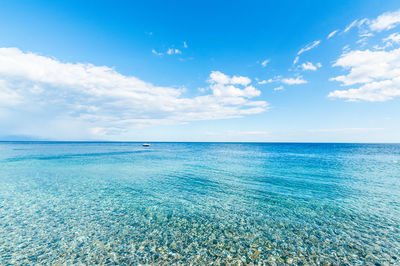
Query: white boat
146, 145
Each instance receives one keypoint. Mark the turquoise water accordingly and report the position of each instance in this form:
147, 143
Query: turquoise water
121, 203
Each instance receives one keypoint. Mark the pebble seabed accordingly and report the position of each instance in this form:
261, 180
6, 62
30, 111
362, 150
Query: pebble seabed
181, 218
80, 232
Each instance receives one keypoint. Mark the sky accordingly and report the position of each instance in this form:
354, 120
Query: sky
251, 71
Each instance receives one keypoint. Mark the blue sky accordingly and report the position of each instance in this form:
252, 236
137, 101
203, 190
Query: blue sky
313, 71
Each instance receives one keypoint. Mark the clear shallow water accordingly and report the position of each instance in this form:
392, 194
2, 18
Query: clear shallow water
120, 203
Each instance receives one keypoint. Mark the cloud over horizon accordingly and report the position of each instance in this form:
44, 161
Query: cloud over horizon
376, 72
99, 101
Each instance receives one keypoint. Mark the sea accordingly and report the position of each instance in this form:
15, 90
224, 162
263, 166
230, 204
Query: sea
120, 203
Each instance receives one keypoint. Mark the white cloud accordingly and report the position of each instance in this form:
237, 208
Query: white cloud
265, 63
41, 93
393, 38
240, 80
8, 97
367, 34
310, 66
305, 49
271, 80
218, 77
357, 23
309, 47
376, 72
262, 82
289, 81
172, 51
332, 34
388, 41
185, 45
222, 90
385, 21
351, 25
362, 41
360, 24
294, 81
224, 85
367, 66
156, 53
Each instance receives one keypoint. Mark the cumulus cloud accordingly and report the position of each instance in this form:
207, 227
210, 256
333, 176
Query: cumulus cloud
97, 100
386, 21
294, 81
279, 88
224, 85
308, 47
377, 74
310, 66
218, 77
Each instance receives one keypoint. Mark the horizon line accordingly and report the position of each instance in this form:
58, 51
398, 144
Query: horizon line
247, 142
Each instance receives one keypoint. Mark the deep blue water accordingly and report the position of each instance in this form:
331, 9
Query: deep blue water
121, 203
